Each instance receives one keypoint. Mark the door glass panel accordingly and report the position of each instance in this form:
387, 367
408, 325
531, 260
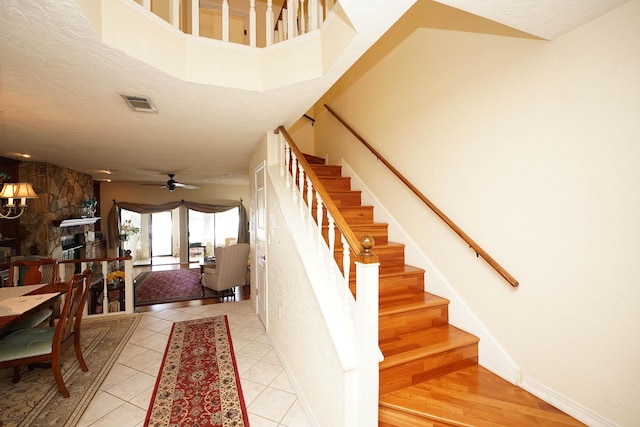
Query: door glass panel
209, 230
161, 235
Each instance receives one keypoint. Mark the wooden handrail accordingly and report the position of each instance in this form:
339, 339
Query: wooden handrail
478, 250
364, 255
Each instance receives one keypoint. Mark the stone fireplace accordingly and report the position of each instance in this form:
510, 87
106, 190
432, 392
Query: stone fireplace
45, 227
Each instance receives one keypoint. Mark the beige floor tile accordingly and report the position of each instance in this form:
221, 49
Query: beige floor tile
272, 404
144, 360
126, 415
101, 404
262, 372
135, 385
296, 417
258, 421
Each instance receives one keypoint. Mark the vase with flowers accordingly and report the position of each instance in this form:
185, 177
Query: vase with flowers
88, 207
116, 276
127, 229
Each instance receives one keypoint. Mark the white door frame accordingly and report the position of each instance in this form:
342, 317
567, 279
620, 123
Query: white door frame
260, 224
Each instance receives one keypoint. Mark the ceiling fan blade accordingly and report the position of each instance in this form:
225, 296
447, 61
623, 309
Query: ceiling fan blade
186, 186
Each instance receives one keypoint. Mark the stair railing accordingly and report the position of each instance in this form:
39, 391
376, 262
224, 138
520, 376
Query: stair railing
359, 315
296, 17
301, 174
478, 250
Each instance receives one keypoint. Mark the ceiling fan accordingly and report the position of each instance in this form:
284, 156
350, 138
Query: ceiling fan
172, 184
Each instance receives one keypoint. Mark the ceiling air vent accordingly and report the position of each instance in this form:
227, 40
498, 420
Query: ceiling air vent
140, 103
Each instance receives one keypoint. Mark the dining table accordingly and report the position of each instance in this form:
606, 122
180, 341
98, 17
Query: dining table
19, 302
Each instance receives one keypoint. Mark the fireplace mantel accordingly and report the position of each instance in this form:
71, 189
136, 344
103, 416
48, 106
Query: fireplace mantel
71, 222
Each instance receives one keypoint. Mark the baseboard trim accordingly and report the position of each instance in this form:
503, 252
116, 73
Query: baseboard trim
566, 405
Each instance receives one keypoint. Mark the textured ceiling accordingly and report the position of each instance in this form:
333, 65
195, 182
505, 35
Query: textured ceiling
60, 91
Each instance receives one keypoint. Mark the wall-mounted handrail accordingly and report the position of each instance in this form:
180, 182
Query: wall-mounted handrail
361, 254
478, 250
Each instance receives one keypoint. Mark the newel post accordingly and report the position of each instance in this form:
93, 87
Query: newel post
367, 278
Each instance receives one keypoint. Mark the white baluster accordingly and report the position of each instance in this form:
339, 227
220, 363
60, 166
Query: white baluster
292, 5
346, 260
174, 13
294, 168
146, 4
301, 175
279, 36
269, 23
321, 13
128, 286
285, 24
287, 162
302, 19
309, 206
332, 241
319, 219
195, 17
313, 15
225, 20
105, 292
281, 153
252, 23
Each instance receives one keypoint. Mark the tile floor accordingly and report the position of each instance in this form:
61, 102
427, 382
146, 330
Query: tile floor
124, 396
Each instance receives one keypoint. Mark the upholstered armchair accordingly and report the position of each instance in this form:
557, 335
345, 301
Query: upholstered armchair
230, 270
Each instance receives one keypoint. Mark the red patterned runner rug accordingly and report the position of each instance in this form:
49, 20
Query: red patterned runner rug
198, 383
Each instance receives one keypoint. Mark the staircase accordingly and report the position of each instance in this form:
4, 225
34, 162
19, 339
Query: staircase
430, 374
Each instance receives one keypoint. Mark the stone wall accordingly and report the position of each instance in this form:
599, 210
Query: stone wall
60, 194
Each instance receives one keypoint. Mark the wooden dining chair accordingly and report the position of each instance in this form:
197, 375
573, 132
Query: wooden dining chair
26, 271
32, 346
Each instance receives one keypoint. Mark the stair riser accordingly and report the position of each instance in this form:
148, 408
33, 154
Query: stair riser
336, 184
423, 369
327, 170
353, 215
401, 284
415, 320
339, 198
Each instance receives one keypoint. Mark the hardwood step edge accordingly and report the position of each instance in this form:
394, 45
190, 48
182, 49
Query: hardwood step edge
421, 415
464, 339
408, 269
429, 301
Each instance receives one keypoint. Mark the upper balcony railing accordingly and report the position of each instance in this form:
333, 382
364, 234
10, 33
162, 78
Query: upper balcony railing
256, 24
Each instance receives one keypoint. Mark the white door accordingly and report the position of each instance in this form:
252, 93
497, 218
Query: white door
261, 244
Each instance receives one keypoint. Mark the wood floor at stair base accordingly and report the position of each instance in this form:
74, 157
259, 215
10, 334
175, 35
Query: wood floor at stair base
416, 371
473, 397
391, 418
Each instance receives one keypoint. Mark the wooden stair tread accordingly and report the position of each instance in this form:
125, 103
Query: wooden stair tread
473, 396
407, 347
411, 303
406, 269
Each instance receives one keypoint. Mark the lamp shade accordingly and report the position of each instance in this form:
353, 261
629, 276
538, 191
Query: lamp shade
8, 191
24, 190
20, 190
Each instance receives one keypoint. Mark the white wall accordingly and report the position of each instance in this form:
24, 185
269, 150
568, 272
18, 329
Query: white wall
532, 147
296, 325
